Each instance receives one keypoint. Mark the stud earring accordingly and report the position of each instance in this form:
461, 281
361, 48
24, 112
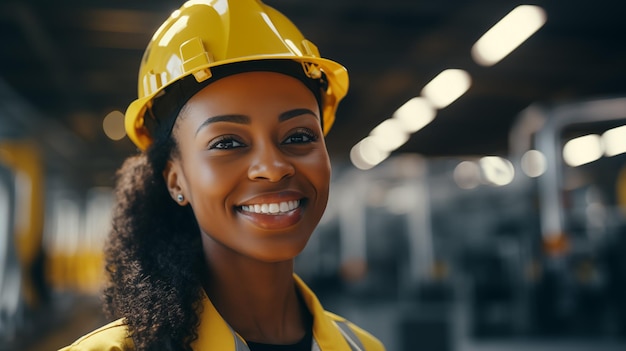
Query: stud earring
180, 198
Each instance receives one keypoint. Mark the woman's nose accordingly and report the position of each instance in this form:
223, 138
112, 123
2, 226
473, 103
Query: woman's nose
269, 163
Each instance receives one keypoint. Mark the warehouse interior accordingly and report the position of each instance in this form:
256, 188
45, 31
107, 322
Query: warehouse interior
498, 222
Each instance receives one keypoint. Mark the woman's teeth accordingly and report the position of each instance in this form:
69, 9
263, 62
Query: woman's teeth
273, 208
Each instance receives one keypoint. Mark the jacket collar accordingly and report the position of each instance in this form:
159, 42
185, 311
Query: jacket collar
214, 334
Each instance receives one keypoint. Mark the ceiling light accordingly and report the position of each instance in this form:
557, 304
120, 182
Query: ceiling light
389, 135
534, 163
614, 141
467, 175
415, 114
506, 35
446, 87
366, 154
582, 150
113, 125
497, 170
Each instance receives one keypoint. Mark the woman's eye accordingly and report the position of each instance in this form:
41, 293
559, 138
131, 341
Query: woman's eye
225, 143
300, 137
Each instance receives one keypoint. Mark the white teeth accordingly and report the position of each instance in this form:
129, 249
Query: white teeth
284, 207
273, 208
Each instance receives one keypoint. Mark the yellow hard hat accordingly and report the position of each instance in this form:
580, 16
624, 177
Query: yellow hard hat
203, 34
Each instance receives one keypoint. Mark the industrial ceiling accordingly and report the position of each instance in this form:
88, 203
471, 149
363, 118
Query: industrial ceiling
66, 64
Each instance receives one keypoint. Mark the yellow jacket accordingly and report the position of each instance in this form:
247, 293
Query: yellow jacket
330, 332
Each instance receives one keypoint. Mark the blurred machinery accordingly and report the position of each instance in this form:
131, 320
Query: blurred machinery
445, 253
51, 231
23, 286
487, 249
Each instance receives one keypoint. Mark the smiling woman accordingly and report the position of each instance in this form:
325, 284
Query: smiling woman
265, 152
231, 182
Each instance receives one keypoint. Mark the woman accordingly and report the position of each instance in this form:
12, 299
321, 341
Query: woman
234, 176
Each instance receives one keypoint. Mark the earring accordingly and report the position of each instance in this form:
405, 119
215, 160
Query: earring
180, 198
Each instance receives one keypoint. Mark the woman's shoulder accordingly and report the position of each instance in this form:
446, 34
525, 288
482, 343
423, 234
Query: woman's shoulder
369, 341
111, 337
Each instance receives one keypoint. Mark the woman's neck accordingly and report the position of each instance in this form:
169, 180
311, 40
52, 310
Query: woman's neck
257, 299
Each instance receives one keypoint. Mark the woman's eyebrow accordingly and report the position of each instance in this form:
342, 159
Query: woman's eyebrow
295, 113
241, 119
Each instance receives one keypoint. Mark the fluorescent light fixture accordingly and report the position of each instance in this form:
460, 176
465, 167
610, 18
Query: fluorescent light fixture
366, 154
506, 35
614, 141
446, 87
498, 171
415, 114
534, 163
582, 150
389, 135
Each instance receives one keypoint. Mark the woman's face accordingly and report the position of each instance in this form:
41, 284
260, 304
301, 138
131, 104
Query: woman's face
252, 164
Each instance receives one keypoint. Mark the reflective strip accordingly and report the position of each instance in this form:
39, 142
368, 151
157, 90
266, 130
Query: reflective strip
351, 338
240, 345
315, 346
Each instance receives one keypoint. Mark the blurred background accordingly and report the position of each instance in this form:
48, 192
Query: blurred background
478, 190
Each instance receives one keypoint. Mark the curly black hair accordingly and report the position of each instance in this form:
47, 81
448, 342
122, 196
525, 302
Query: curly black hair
153, 255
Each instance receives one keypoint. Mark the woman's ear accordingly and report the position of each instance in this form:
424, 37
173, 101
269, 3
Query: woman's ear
174, 180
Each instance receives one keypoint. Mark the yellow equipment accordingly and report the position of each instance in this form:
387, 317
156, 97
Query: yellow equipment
205, 34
